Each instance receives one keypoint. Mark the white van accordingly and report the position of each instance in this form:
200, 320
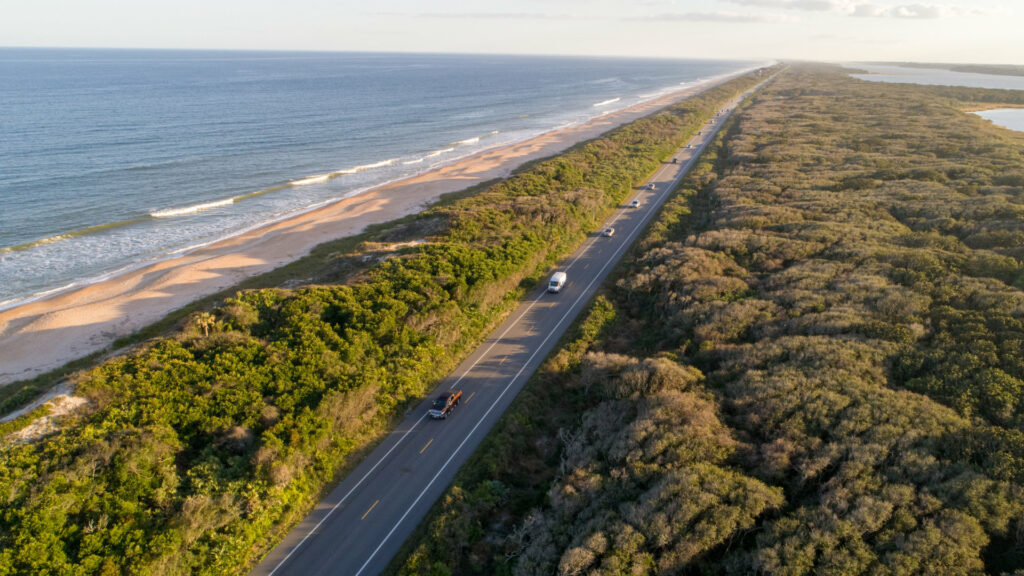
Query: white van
557, 282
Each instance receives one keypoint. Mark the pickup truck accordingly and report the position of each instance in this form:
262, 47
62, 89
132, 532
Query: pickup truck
445, 404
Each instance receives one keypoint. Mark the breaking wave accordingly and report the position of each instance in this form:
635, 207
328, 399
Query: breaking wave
69, 235
311, 180
169, 212
320, 178
437, 153
380, 164
606, 102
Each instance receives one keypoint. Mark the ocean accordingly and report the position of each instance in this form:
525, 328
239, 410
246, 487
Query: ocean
112, 159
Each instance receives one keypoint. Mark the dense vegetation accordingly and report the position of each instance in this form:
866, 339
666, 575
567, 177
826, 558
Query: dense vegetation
813, 365
197, 450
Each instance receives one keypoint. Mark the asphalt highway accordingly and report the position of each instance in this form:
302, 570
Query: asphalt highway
360, 525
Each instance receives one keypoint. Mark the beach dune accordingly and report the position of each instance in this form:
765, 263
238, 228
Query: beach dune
43, 335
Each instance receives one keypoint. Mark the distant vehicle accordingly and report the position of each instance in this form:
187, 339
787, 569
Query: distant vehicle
635, 204
445, 404
650, 186
675, 160
557, 282
699, 132
689, 146
608, 232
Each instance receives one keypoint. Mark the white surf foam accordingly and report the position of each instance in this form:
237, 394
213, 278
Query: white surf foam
437, 153
607, 102
320, 178
170, 212
317, 179
466, 142
356, 169
311, 180
18, 301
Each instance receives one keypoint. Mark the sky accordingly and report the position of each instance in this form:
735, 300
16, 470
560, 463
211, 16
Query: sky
981, 31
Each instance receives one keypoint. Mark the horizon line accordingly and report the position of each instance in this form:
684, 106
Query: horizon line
498, 54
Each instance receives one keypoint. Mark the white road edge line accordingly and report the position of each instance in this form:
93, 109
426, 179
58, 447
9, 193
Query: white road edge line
343, 498
642, 224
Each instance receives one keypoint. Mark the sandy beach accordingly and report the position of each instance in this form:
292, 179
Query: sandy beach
40, 336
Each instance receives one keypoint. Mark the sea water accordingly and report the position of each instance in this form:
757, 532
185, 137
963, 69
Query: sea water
110, 159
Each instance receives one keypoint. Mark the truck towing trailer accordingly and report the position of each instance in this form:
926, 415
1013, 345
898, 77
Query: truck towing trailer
444, 404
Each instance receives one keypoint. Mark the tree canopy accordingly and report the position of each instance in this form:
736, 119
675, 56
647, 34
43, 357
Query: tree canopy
811, 366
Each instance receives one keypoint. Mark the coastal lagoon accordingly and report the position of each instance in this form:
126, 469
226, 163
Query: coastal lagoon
112, 159
934, 76
1012, 118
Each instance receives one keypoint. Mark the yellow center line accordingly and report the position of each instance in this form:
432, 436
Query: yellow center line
374, 505
470, 397
425, 445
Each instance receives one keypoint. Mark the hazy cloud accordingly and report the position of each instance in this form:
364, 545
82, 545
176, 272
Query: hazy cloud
864, 9
806, 5
717, 17
911, 11
501, 15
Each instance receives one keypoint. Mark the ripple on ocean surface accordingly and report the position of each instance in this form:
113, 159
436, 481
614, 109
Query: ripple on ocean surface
143, 154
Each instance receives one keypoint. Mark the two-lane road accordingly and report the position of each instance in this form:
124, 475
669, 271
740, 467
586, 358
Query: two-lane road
361, 524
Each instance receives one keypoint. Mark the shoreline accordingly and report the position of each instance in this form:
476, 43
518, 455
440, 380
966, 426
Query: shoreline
40, 335
985, 107
16, 301
1007, 117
